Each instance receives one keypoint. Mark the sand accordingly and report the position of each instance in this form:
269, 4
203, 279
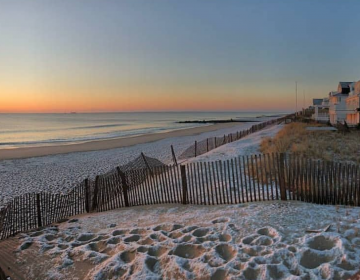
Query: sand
249, 145
106, 144
61, 172
263, 240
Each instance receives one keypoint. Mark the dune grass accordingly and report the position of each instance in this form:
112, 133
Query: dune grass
324, 145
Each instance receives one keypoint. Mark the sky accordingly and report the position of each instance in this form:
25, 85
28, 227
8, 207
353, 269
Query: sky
167, 55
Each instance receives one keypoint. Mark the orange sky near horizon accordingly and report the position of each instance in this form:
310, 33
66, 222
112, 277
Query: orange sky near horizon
95, 56
140, 99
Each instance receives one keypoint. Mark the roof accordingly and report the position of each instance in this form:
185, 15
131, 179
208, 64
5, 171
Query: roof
345, 84
317, 101
341, 94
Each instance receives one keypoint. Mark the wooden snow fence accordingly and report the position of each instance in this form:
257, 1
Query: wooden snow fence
243, 179
208, 144
33, 210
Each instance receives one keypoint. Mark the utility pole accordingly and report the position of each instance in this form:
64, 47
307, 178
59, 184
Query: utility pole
296, 98
304, 99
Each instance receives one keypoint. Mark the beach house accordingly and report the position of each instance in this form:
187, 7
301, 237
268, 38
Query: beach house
334, 107
321, 107
337, 103
337, 107
353, 104
317, 101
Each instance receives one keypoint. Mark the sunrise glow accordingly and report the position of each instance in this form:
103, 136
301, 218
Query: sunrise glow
168, 56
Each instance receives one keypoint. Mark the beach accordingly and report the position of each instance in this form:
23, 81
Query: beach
107, 144
251, 240
173, 140
62, 172
260, 240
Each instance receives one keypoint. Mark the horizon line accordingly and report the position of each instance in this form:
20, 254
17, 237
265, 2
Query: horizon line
154, 111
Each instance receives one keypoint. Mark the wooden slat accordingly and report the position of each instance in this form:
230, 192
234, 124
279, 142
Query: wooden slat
203, 168
178, 182
219, 183
235, 181
229, 184
270, 176
150, 198
239, 178
306, 179
196, 189
276, 174
210, 171
245, 181
263, 178
174, 188
184, 183
327, 183
249, 179
214, 171
149, 191
312, 179
166, 187
342, 183
190, 185
223, 183
260, 196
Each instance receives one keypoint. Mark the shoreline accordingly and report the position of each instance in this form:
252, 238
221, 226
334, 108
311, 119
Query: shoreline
107, 144
215, 121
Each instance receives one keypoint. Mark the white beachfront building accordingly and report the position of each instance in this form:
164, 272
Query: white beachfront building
321, 107
353, 105
337, 108
333, 108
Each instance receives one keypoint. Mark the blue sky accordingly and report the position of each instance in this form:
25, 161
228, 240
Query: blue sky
131, 52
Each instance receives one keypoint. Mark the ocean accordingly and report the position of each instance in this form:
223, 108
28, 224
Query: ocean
27, 130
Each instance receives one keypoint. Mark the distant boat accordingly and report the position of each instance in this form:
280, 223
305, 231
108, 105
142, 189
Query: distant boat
73, 112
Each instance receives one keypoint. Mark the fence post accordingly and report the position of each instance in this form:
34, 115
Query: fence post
207, 144
38, 210
215, 142
96, 191
195, 148
147, 164
173, 154
184, 184
282, 177
124, 185
87, 204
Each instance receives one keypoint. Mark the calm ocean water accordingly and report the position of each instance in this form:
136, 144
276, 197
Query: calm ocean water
19, 130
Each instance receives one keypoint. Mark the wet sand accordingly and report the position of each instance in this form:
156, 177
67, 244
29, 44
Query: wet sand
28, 152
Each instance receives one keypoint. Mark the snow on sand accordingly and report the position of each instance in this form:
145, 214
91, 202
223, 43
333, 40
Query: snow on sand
246, 146
265, 240
62, 172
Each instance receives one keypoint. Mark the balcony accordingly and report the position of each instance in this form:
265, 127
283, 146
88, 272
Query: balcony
323, 117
